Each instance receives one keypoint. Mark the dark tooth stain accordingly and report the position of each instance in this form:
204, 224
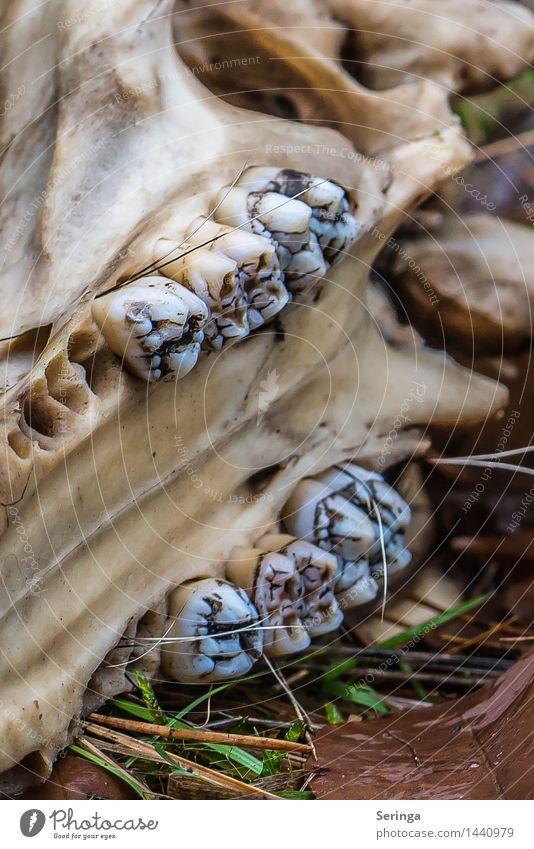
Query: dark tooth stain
280, 333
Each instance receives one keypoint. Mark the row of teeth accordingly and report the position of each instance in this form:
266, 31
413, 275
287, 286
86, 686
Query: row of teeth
271, 235
287, 590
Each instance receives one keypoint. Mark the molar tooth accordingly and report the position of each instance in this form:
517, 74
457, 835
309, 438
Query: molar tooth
214, 278
318, 570
317, 192
306, 267
391, 505
329, 519
150, 318
260, 275
273, 584
337, 511
269, 213
335, 233
364, 590
213, 635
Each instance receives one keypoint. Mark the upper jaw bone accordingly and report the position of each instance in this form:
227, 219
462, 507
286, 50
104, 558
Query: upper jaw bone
156, 328
214, 634
273, 583
318, 570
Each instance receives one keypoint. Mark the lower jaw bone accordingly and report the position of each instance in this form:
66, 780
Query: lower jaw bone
213, 633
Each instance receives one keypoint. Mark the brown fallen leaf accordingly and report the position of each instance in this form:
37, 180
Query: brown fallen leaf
477, 747
75, 778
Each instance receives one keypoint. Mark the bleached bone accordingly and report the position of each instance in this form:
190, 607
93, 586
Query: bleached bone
138, 491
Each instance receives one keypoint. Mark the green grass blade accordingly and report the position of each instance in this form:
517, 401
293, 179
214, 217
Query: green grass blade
419, 631
359, 694
333, 714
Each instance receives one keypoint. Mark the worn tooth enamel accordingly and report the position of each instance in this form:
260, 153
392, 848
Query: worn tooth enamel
214, 278
354, 513
364, 590
329, 519
315, 191
286, 219
318, 608
334, 233
214, 632
391, 504
332, 222
306, 267
260, 275
273, 584
153, 317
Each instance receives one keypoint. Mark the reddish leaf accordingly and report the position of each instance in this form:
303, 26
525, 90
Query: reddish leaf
478, 747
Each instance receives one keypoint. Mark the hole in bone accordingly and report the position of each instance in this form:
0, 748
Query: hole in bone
40, 414
82, 343
20, 444
67, 383
260, 480
349, 56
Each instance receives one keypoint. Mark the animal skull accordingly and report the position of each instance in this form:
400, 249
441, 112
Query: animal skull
124, 496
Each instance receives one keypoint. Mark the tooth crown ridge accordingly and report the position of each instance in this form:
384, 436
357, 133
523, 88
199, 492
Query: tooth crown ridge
357, 516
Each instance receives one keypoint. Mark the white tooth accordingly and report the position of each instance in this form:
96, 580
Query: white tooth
337, 236
306, 267
398, 555
391, 505
299, 515
214, 634
315, 191
363, 591
329, 519
287, 219
214, 278
173, 315
270, 213
318, 570
351, 533
258, 266
351, 573
259, 178
273, 583
337, 511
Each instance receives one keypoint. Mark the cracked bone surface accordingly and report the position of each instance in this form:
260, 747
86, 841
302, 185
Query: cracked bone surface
124, 492
355, 514
214, 634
